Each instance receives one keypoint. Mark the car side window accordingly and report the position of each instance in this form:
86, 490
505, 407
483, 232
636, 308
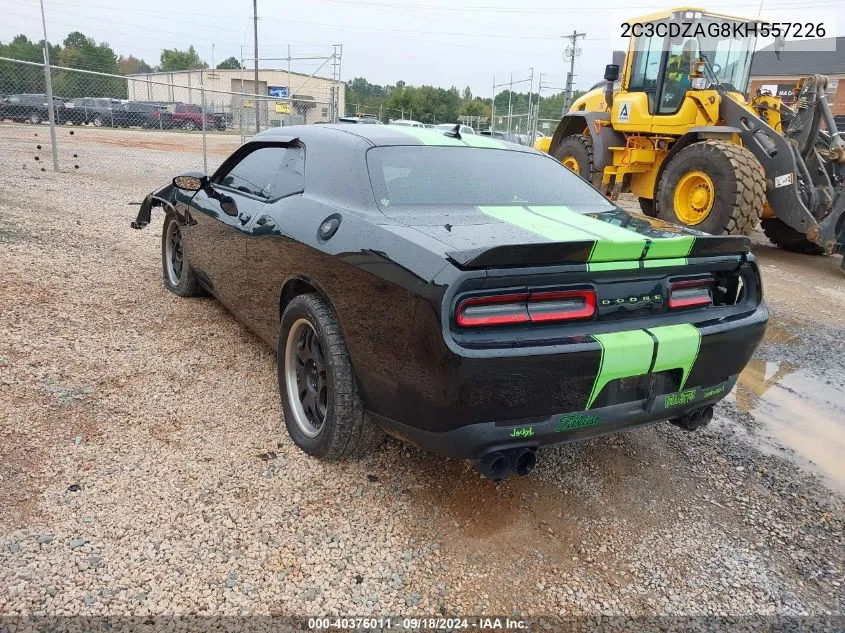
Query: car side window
290, 178
268, 172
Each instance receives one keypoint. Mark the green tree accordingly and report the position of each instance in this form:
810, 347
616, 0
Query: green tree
172, 59
230, 63
80, 51
16, 78
475, 108
21, 48
401, 99
132, 66
84, 53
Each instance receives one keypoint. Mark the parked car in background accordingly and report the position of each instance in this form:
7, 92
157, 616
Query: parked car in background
222, 120
407, 123
96, 111
188, 116
448, 127
510, 137
31, 108
366, 118
147, 114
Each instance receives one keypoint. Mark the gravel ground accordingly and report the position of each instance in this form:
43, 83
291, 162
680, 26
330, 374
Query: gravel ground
144, 468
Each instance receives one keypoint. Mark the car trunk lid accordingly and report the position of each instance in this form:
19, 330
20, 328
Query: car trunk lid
516, 235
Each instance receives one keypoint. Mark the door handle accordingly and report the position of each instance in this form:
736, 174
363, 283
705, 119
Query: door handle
244, 218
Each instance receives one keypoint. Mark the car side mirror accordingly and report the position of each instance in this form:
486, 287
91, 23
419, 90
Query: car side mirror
611, 72
191, 181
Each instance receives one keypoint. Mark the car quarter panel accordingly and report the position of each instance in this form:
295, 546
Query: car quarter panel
370, 275
370, 270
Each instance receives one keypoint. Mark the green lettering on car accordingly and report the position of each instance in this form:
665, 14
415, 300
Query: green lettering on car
680, 398
575, 421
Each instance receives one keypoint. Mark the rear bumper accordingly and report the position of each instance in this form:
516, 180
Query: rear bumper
475, 440
466, 405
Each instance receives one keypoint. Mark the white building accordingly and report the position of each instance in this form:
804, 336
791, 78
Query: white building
283, 98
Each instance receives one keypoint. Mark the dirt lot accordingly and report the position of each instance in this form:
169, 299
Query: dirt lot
144, 467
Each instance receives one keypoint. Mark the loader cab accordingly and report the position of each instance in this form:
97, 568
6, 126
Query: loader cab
667, 63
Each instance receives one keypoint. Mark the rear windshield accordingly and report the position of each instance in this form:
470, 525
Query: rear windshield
429, 175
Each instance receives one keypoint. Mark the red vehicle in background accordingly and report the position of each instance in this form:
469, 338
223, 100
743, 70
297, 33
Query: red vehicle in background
189, 117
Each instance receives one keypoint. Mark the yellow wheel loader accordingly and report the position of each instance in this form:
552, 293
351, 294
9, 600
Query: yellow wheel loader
677, 131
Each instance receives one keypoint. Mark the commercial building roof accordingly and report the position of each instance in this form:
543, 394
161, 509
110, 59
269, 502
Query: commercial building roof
800, 62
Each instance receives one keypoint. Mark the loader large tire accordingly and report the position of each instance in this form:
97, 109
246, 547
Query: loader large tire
784, 236
576, 154
648, 207
713, 186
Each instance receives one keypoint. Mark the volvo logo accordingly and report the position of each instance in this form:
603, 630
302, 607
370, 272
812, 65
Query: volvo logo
633, 300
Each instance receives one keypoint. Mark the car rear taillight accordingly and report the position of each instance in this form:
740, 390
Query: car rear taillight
561, 306
525, 307
493, 310
690, 294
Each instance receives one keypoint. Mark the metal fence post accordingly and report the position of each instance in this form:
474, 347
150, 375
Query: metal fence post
204, 116
493, 108
48, 79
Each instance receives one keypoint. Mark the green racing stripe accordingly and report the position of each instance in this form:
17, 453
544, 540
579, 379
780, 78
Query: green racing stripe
639, 352
537, 224
476, 140
677, 348
611, 243
623, 354
670, 247
662, 263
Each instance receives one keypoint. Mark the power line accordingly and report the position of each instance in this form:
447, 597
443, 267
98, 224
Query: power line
559, 10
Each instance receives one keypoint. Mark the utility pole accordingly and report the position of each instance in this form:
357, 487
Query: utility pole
571, 53
528, 124
255, 38
51, 109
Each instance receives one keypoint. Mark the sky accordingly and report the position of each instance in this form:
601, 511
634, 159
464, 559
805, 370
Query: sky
436, 42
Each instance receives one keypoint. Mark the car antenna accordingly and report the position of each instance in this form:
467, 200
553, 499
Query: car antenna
454, 132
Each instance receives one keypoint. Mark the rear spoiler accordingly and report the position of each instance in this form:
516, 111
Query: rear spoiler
559, 253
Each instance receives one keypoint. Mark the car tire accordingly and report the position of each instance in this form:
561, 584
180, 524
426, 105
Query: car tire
731, 183
190, 126
784, 236
34, 118
97, 121
323, 412
179, 277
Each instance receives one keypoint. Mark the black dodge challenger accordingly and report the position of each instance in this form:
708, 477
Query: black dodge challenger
468, 295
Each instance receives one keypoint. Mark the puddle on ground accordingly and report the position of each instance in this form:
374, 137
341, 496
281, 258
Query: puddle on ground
800, 410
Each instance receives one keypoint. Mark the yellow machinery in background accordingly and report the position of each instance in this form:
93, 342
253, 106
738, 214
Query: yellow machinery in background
677, 131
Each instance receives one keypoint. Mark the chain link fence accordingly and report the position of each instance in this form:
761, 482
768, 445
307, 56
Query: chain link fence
200, 111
